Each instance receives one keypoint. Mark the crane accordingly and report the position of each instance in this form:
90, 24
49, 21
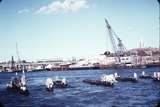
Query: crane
117, 45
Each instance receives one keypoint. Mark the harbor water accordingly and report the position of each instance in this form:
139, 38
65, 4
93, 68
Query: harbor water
144, 93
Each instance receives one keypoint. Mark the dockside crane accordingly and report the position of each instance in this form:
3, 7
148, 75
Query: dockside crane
117, 45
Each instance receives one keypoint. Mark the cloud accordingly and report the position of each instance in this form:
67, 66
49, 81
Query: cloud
23, 11
63, 6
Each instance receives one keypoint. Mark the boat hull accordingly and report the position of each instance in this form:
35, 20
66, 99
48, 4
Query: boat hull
50, 89
126, 79
155, 79
98, 82
17, 89
145, 77
60, 84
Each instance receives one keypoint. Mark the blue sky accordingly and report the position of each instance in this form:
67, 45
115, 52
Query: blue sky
66, 28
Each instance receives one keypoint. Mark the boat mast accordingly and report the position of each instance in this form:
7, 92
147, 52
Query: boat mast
19, 60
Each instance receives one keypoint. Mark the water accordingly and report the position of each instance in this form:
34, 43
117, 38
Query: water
145, 93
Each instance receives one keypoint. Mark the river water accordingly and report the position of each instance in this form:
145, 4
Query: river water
145, 93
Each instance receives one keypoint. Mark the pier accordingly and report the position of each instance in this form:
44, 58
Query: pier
91, 63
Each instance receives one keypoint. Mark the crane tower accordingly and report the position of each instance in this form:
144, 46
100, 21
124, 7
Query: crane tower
117, 45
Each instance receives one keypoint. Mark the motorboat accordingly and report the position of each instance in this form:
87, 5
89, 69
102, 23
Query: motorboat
128, 79
18, 84
106, 80
60, 82
97, 82
145, 76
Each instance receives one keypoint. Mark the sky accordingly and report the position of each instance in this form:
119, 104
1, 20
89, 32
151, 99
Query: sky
45, 29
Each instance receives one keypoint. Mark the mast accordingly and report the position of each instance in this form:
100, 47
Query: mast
17, 52
19, 60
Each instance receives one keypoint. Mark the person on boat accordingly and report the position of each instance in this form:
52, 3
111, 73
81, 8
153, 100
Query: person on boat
116, 75
49, 83
15, 81
64, 81
135, 76
143, 73
112, 78
158, 75
108, 78
23, 82
155, 75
